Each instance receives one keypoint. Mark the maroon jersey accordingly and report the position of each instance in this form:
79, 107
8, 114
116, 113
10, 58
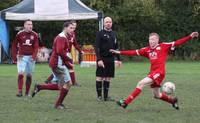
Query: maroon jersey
25, 43
74, 42
60, 49
158, 55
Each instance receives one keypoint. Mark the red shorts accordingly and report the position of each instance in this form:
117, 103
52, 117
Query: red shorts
157, 79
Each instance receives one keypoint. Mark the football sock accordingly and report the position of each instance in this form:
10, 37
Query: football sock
63, 93
50, 77
166, 98
49, 86
106, 85
28, 84
133, 95
99, 88
20, 82
73, 79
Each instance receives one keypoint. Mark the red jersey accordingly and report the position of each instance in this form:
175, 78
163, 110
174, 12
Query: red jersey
60, 48
25, 43
74, 42
158, 55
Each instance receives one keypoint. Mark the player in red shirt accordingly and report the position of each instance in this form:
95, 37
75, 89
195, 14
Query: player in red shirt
156, 53
59, 64
24, 52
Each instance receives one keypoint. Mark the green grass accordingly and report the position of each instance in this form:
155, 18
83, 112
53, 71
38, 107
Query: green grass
85, 108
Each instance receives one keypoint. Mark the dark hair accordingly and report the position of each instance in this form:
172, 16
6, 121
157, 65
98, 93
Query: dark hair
67, 23
73, 21
27, 20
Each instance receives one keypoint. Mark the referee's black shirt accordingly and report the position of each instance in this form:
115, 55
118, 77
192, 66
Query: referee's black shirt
105, 40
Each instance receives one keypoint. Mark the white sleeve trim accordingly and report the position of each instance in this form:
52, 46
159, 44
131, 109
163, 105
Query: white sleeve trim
137, 52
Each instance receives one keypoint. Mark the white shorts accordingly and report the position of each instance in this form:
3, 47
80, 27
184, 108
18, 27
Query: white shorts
25, 64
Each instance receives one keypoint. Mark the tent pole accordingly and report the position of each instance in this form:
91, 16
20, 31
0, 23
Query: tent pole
100, 18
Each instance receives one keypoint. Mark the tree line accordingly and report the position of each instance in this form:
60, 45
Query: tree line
133, 20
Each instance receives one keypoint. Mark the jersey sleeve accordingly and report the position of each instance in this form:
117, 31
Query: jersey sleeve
97, 45
61, 51
35, 47
178, 42
75, 43
139, 52
14, 48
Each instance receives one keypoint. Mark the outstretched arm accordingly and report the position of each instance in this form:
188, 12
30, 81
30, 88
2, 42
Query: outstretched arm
185, 39
126, 52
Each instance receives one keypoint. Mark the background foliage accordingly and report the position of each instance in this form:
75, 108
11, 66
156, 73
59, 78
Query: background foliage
133, 21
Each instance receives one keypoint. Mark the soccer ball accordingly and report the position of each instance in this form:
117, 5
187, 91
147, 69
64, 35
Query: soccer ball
168, 88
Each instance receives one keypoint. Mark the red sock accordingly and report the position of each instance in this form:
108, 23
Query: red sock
133, 95
166, 98
50, 77
49, 86
63, 93
28, 84
20, 82
72, 75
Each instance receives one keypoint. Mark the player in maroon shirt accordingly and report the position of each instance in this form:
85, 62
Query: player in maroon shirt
156, 53
72, 42
59, 64
24, 52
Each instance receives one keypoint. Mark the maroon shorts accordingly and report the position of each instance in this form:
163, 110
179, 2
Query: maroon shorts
157, 79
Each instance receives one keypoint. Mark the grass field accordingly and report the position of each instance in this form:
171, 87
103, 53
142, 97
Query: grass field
82, 101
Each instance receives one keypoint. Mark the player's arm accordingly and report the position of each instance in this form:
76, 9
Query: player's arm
14, 49
76, 45
35, 48
97, 46
139, 52
185, 39
61, 51
117, 48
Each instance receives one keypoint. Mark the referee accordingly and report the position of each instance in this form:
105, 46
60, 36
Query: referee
105, 40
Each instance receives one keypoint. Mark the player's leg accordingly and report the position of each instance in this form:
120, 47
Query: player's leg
99, 81
73, 77
30, 66
162, 96
106, 86
49, 79
65, 85
21, 64
141, 84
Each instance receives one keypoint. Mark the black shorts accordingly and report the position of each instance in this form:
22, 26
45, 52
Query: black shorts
108, 71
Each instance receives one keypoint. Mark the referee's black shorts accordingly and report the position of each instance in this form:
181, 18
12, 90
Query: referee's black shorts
109, 70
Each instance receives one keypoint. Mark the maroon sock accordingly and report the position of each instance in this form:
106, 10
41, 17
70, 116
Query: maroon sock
133, 95
166, 98
63, 93
49, 86
73, 79
28, 84
50, 77
20, 82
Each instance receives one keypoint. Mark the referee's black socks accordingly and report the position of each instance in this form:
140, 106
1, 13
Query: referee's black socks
99, 88
106, 85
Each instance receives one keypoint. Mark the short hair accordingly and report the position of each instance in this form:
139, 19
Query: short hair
27, 20
73, 21
67, 23
154, 34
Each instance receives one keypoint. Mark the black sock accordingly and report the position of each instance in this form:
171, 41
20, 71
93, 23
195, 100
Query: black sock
99, 88
106, 85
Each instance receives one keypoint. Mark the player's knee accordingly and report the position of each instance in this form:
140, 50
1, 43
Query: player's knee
99, 79
140, 85
157, 96
67, 85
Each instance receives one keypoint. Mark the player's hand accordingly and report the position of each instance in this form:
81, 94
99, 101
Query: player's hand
82, 52
69, 65
114, 51
194, 34
14, 61
118, 64
100, 63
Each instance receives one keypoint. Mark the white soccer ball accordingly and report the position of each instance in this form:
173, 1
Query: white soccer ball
168, 88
